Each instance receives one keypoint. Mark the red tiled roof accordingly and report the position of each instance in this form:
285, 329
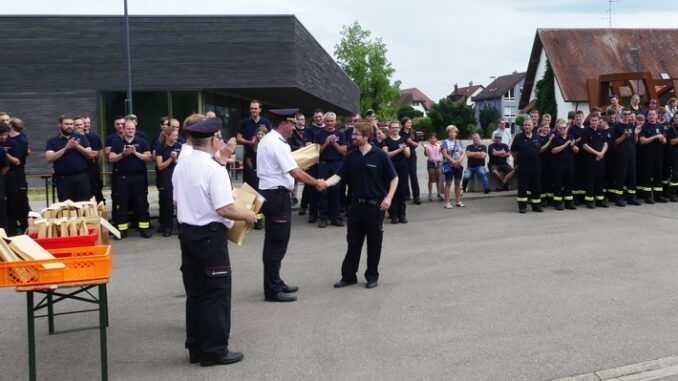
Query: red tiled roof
407, 96
580, 54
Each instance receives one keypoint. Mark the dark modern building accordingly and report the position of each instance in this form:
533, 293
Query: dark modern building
55, 65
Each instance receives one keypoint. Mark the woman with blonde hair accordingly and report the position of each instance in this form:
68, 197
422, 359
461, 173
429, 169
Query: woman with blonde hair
453, 155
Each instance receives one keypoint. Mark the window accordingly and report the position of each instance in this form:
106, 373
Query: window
509, 96
509, 111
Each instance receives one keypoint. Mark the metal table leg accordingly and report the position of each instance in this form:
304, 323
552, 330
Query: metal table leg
103, 323
50, 313
32, 374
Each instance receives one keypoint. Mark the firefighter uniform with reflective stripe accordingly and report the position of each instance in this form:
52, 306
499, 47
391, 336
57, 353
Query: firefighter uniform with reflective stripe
131, 185
672, 143
594, 168
546, 175
578, 188
625, 167
562, 171
652, 155
526, 151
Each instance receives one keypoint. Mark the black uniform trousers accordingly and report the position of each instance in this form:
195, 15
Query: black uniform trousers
579, 189
313, 194
412, 173
562, 174
278, 222
165, 201
625, 173
546, 177
364, 220
3, 203
673, 180
594, 177
329, 205
399, 206
651, 173
132, 192
529, 183
73, 187
206, 272
96, 184
611, 160
666, 169
16, 190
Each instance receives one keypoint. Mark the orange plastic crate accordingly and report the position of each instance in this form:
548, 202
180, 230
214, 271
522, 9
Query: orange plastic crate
80, 264
64, 242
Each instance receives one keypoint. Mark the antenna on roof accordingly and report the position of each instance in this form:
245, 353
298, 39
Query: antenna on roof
609, 11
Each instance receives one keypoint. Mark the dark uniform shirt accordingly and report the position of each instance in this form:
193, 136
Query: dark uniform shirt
4, 163
110, 139
329, 153
498, 147
413, 151
296, 140
650, 130
546, 155
575, 132
130, 164
72, 161
620, 129
473, 162
248, 127
394, 145
527, 149
94, 141
368, 176
22, 141
310, 131
13, 148
566, 155
165, 151
594, 138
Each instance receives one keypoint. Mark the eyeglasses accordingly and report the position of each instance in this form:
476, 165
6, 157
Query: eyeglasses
356, 135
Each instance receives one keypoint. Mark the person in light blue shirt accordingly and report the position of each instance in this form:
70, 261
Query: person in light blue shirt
501, 129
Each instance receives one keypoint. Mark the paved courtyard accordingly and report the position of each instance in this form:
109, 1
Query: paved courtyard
479, 293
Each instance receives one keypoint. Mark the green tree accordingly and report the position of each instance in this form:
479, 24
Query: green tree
546, 94
364, 61
445, 112
408, 111
488, 116
520, 119
425, 125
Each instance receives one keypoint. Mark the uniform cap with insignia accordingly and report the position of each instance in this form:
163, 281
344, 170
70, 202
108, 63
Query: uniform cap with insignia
205, 129
284, 114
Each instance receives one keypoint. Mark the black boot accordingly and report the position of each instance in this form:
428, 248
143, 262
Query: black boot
631, 200
522, 207
601, 204
559, 205
537, 208
620, 202
570, 206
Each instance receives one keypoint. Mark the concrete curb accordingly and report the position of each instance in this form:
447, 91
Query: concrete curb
642, 371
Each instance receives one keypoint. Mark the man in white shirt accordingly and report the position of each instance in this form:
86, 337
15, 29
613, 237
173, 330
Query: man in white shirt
277, 171
205, 211
501, 129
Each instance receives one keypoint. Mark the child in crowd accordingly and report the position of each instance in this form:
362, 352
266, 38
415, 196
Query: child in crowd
434, 159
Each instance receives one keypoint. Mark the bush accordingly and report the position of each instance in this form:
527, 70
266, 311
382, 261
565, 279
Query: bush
519, 120
487, 133
424, 125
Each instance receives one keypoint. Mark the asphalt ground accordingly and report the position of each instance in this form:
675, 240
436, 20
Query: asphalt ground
475, 293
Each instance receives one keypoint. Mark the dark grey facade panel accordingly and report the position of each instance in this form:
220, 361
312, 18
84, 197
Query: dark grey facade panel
58, 64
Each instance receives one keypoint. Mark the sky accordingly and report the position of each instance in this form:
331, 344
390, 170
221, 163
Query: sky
432, 44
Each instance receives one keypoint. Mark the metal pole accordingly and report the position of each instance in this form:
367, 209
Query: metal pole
128, 101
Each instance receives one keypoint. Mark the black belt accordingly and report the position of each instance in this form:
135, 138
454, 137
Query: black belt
330, 161
278, 190
370, 201
212, 226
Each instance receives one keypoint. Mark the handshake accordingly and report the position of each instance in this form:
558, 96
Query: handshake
321, 186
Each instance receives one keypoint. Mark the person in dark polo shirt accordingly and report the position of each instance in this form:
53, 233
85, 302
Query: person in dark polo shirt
595, 147
373, 180
129, 156
4, 168
69, 153
476, 154
332, 150
248, 130
94, 168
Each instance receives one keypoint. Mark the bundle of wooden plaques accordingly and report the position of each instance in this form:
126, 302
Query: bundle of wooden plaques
72, 219
23, 248
70, 209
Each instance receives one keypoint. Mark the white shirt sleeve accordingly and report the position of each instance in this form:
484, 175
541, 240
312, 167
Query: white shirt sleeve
220, 190
285, 158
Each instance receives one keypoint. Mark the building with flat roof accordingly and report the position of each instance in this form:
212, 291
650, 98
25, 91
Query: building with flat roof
57, 65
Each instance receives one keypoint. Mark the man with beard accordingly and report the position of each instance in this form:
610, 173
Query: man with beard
69, 153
